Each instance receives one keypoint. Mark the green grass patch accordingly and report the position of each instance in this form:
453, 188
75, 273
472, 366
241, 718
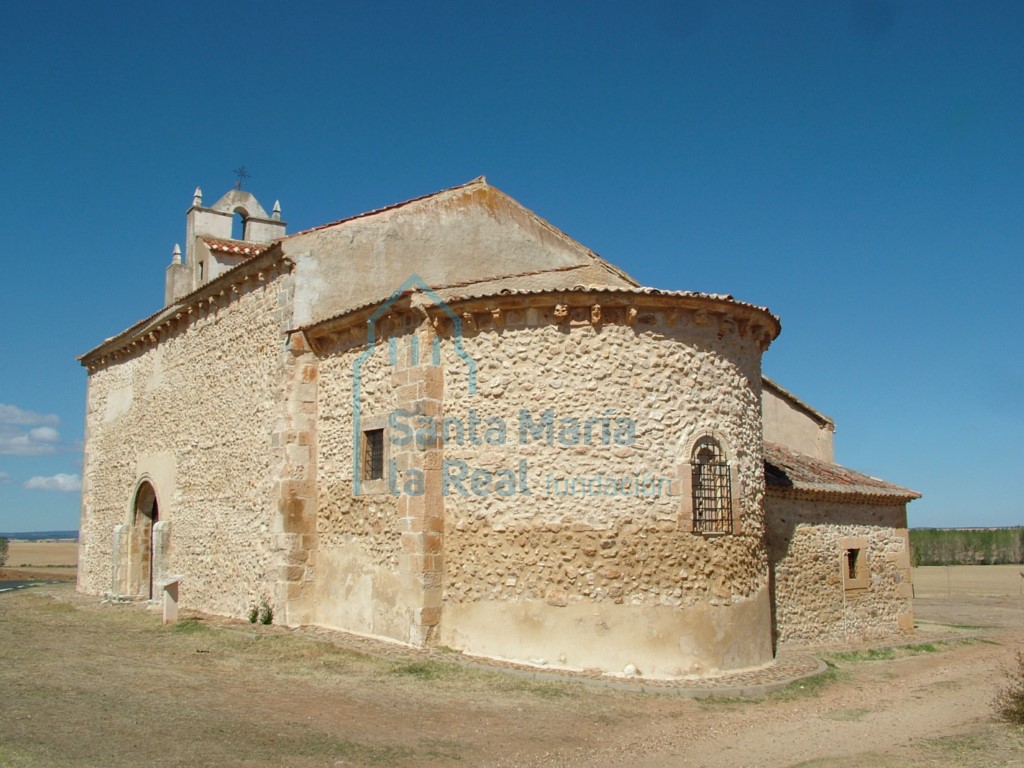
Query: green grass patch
188, 627
809, 686
847, 715
421, 670
13, 758
883, 654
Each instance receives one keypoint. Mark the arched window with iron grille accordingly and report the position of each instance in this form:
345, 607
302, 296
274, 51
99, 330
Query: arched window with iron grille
711, 487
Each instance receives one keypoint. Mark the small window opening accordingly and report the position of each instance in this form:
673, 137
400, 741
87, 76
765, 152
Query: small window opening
712, 488
852, 563
202, 266
373, 454
238, 226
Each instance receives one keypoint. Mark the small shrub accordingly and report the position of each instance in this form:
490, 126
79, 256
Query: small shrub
266, 613
254, 613
3, 551
1009, 700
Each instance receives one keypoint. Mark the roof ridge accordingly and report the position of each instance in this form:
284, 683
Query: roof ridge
479, 180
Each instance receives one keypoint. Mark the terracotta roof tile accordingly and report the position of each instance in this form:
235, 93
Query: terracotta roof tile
450, 297
236, 247
787, 470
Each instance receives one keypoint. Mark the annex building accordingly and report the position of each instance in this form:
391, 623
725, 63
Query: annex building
446, 422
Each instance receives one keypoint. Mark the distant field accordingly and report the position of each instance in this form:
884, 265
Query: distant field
42, 554
968, 580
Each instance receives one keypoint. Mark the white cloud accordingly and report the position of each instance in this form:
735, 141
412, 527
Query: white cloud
4, 478
44, 435
26, 433
59, 482
12, 414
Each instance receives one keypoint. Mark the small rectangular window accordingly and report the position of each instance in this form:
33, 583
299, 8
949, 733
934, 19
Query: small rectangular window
373, 454
853, 563
852, 556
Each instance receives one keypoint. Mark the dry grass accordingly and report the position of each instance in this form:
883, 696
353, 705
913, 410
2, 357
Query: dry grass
84, 684
61, 554
968, 580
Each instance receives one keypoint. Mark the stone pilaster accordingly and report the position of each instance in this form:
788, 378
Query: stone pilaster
419, 386
294, 446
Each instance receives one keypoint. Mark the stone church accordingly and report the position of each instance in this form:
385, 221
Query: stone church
446, 422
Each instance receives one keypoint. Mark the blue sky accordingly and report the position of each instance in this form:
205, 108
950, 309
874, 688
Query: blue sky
857, 167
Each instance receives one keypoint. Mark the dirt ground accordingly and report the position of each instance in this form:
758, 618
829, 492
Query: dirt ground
88, 684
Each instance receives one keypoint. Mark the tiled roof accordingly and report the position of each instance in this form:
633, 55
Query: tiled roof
451, 297
786, 470
633, 290
236, 247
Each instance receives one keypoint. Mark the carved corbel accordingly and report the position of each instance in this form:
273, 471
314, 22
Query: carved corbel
595, 314
561, 313
727, 325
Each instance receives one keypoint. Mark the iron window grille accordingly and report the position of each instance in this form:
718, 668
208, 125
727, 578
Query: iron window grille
712, 488
373, 454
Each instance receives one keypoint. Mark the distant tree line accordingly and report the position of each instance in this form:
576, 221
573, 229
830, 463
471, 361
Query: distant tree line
967, 546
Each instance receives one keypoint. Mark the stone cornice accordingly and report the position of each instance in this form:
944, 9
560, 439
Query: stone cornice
577, 307
212, 296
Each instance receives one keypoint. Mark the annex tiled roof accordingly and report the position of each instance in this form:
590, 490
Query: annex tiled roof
786, 470
236, 247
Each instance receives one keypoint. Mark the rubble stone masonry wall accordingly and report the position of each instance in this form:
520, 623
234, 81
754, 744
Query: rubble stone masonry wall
585, 562
813, 601
193, 415
530, 503
359, 542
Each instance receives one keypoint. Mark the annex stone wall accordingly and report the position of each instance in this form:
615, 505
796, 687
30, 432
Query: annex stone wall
193, 415
813, 602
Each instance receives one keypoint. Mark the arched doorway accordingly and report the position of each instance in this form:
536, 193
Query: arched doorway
145, 513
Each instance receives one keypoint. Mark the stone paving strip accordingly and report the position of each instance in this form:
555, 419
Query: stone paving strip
788, 667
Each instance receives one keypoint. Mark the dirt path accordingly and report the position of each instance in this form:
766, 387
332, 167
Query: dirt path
90, 685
